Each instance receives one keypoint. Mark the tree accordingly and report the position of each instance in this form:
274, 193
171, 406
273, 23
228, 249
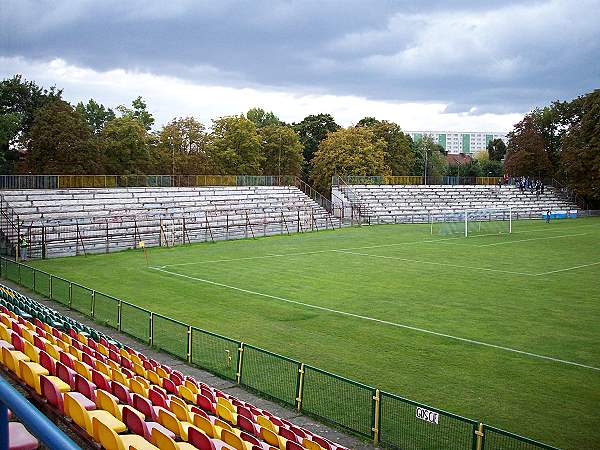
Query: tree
526, 152
60, 142
19, 100
312, 130
348, 151
430, 158
261, 118
182, 144
282, 150
399, 155
95, 114
138, 111
236, 146
126, 146
580, 156
496, 149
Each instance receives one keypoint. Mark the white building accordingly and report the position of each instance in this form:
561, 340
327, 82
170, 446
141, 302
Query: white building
454, 142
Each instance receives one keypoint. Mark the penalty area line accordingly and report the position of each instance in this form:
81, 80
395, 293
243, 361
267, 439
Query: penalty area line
372, 319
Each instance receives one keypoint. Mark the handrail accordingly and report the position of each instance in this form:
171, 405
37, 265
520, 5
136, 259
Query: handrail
321, 200
353, 198
41, 427
571, 194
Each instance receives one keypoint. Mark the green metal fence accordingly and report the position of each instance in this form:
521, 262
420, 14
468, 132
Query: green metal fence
106, 309
215, 353
170, 335
81, 299
343, 402
60, 290
270, 373
497, 439
134, 321
408, 424
388, 419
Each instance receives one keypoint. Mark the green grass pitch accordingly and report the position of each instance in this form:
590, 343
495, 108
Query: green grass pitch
533, 296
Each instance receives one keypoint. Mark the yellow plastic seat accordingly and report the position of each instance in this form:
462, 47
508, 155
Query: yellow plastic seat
154, 377
225, 414
7, 321
191, 386
27, 334
103, 368
30, 374
52, 350
139, 369
59, 384
180, 409
138, 387
207, 427
77, 354
266, 423
168, 420
83, 339
82, 369
162, 372
31, 351
63, 345
84, 418
136, 359
227, 404
311, 445
187, 394
119, 377
164, 442
102, 349
48, 328
4, 333
234, 441
272, 438
11, 359
113, 441
108, 402
220, 426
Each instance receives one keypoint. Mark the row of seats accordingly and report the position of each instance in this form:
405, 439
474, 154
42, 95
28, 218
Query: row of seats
122, 399
380, 201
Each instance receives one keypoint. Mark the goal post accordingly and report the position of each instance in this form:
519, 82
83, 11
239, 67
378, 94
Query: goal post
471, 222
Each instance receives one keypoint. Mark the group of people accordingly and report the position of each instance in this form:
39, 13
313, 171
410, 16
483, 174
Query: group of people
530, 184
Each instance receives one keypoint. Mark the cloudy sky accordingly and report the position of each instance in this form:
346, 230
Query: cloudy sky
430, 64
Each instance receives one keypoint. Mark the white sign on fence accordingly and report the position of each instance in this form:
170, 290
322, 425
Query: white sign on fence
427, 416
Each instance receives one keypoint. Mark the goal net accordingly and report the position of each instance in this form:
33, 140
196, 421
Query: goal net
472, 222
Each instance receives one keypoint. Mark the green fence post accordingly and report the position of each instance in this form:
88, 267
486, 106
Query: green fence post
70, 294
189, 344
240, 360
300, 387
151, 333
376, 418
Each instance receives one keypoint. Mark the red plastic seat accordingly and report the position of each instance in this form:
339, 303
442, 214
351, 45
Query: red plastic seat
84, 387
247, 425
66, 374
121, 392
146, 407
289, 435
170, 386
157, 397
56, 399
206, 404
19, 438
100, 381
136, 425
291, 445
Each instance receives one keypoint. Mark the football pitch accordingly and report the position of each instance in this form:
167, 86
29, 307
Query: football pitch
500, 328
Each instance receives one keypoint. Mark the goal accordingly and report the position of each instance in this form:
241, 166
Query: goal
471, 222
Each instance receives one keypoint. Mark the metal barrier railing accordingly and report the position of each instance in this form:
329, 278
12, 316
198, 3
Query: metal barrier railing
365, 410
36, 422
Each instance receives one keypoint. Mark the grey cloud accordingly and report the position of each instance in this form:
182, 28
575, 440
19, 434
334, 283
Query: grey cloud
494, 56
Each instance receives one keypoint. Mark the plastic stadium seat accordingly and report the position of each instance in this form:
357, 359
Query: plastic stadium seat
30, 374
138, 425
226, 414
203, 442
266, 423
170, 386
100, 380
138, 387
180, 409
83, 418
247, 425
11, 359
168, 420
121, 392
110, 440
164, 442
187, 394
290, 445
272, 438
207, 427
234, 441
158, 398
289, 435
311, 445
145, 406
19, 438
250, 439
154, 377
206, 404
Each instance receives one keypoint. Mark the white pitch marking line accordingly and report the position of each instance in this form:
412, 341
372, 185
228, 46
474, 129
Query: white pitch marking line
568, 268
437, 263
372, 319
532, 239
